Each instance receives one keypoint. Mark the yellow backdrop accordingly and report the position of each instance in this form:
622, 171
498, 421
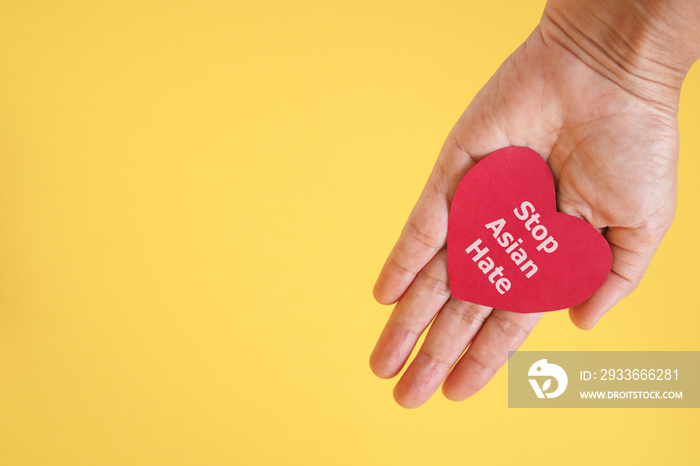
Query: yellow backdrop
195, 200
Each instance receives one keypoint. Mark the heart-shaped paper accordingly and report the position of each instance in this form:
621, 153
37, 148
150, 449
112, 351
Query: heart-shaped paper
510, 249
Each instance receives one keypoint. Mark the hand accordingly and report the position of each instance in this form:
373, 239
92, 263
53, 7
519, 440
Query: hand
610, 138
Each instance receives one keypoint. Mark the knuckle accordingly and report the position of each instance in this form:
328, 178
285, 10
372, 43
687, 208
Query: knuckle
442, 179
405, 329
631, 282
436, 361
423, 236
458, 143
433, 284
479, 363
400, 267
472, 315
510, 328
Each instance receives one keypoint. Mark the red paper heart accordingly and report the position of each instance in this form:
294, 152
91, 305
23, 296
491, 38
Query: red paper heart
561, 261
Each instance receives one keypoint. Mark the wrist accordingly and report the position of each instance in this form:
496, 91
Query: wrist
644, 46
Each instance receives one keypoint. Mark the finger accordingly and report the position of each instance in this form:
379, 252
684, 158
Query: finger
453, 329
476, 133
502, 331
426, 229
411, 316
565, 205
632, 251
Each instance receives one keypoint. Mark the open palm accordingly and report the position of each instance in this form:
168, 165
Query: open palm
613, 153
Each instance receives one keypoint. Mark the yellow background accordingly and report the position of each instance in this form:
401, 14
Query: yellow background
196, 198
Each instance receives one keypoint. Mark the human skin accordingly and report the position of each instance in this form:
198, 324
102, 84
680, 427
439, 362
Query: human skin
595, 91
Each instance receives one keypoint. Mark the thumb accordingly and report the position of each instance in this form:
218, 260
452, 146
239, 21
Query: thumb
632, 251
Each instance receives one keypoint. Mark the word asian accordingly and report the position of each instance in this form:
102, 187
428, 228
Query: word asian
518, 255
